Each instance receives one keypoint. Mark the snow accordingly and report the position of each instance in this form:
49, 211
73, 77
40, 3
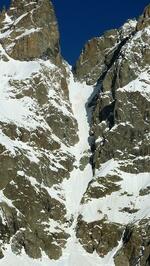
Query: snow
20, 18
6, 200
13, 146
107, 167
128, 27
75, 187
111, 205
23, 260
7, 19
79, 257
140, 84
23, 112
28, 32
5, 34
19, 111
16, 69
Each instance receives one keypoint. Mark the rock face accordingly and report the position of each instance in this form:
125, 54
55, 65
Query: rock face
144, 20
29, 30
37, 128
100, 53
117, 64
74, 157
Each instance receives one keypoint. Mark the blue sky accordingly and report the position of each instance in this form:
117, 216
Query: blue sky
80, 20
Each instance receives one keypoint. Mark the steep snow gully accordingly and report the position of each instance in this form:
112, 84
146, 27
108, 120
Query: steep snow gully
76, 186
73, 189
74, 255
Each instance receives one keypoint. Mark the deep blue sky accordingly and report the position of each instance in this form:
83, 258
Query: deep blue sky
80, 20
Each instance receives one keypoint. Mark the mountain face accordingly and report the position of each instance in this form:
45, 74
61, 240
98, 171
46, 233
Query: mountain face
74, 145
118, 63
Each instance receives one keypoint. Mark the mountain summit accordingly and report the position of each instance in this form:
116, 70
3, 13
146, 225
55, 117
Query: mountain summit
74, 146
29, 30
144, 20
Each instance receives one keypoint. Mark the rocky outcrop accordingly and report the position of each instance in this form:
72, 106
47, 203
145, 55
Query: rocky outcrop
136, 247
29, 30
144, 20
100, 53
98, 236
